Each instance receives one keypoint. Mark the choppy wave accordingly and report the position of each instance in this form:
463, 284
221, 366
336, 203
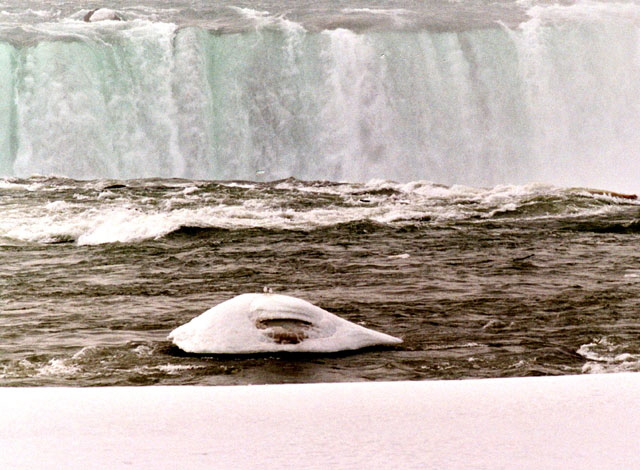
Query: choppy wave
226, 15
610, 354
45, 210
137, 360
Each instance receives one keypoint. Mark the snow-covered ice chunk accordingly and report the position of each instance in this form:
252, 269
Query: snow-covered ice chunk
258, 323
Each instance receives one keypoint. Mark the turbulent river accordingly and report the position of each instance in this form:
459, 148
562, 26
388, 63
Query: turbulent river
507, 281
454, 173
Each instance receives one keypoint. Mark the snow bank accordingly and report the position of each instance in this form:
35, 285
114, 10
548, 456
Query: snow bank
590, 421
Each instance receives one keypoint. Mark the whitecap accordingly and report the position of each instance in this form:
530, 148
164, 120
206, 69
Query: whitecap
264, 19
606, 355
58, 367
400, 256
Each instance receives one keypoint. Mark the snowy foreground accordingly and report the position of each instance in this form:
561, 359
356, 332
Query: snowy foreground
589, 421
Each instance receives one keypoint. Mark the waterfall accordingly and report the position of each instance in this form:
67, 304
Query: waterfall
556, 100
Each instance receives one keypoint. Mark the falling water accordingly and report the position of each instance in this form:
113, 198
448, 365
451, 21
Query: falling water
554, 98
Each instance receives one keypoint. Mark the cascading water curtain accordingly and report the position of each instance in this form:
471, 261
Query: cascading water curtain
554, 100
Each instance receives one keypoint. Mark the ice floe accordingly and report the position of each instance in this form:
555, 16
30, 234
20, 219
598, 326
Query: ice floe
259, 323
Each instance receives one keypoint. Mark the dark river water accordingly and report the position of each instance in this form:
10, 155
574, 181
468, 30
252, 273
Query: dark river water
505, 281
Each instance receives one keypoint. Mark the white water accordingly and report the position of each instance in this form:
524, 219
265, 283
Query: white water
605, 355
554, 100
94, 215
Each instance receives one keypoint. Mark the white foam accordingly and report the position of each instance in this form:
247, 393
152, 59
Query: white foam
379, 11
143, 351
400, 16
400, 256
605, 355
18, 369
632, 274
171, 369
10, 184
264, 19
126, 225
58, 367
176, 368
122, 216
585, 11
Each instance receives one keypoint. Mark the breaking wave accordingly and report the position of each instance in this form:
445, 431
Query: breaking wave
46, 210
